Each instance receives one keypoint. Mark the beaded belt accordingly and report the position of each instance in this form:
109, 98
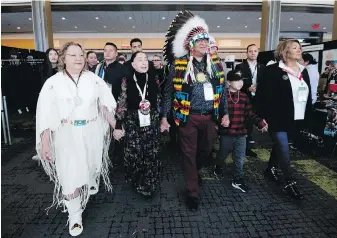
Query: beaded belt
79, 122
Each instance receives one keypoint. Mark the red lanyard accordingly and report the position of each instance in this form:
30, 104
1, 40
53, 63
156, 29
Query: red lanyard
298, 77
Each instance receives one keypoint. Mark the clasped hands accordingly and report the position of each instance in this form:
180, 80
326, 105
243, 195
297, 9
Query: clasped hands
164, 125
118, 134
225, 121
252, 89
265, 128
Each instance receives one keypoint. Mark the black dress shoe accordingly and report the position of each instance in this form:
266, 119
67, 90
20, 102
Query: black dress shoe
250, 153
292, 190
192, 203
199, 180
272, 174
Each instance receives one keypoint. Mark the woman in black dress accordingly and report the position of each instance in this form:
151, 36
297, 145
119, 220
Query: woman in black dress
138, 117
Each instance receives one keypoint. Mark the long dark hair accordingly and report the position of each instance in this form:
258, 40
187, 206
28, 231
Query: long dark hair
48, 68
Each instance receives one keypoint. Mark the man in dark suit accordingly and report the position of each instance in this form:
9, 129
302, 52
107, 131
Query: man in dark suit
251, 73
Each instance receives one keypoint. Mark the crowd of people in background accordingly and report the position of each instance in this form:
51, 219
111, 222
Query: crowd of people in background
85, 104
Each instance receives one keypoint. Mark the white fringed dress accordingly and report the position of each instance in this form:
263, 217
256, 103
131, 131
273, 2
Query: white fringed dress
80, 133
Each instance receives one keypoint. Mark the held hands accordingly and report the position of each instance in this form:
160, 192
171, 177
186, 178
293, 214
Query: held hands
164, 125
265, 128
225, 121
118, 134
252, 89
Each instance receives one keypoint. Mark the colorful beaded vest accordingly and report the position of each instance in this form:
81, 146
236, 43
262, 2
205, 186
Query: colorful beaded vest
183, 91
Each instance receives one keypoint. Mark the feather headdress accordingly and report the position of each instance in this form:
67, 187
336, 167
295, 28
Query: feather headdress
181, 37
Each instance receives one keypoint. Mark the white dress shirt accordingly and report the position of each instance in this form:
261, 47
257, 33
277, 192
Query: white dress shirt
296, 84
253, 70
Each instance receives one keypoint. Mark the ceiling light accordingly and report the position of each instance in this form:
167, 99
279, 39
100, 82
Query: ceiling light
299, 27
163, 18
260, 18
96, 18
218, 26
246, 26
130, 18
63, 18
104, 26
324, 28
30, 18
75, 27
228, 18
291, 19
18, 28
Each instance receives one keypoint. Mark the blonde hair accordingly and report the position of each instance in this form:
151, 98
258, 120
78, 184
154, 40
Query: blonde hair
283, 48
62, 54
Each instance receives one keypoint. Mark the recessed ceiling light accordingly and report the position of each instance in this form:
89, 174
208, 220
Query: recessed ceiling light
130, 18
299, 27
63, 18
96, 18
291, 19
30, 18
104, 26
324, 28
18, 28
246, 26
133, 27
228, 18
218, 26
260, 18
75, 26
163, 18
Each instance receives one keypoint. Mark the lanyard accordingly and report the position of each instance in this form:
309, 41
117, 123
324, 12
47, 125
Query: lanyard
101, 72
72, 79
142, 94
298, 77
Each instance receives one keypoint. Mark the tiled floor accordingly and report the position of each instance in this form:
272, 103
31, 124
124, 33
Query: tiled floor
224, 212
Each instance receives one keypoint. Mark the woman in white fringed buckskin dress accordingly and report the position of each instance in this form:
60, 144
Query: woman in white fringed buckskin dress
74, 114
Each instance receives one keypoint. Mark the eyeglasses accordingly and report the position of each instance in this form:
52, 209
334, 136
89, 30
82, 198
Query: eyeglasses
156, 60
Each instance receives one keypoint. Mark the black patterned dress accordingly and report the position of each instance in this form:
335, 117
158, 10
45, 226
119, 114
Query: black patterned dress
141, 153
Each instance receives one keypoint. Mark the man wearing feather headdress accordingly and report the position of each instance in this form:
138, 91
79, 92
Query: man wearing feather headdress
196, 81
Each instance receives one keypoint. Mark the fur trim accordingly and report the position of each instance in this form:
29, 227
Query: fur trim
179, 41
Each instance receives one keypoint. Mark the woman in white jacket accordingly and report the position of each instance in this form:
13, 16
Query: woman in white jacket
311, 65
75, 112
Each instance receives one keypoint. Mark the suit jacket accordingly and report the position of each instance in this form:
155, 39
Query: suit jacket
248, 77
274, 99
